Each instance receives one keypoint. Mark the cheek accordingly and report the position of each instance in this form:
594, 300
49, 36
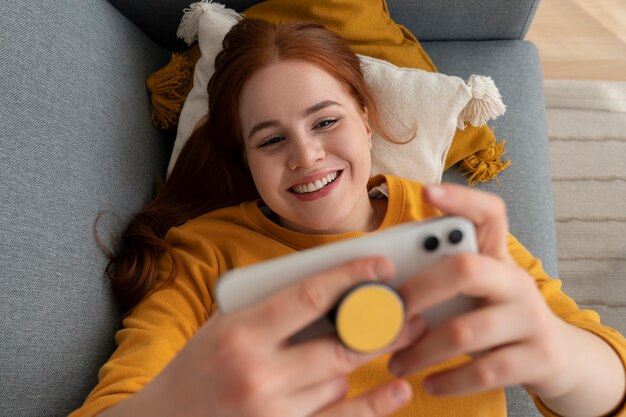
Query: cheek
255, 167
265, 174
365, 158
364, 148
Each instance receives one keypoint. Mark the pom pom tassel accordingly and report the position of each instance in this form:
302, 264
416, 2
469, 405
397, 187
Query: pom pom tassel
484, 165
188, 28
168, 89
485, 104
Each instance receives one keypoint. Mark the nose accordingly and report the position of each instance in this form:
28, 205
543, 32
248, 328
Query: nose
305, 152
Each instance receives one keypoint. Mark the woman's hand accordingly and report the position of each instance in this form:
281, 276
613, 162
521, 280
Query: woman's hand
513, 333
514, 336
243, 365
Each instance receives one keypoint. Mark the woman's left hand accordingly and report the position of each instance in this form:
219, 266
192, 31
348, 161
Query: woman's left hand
514, 336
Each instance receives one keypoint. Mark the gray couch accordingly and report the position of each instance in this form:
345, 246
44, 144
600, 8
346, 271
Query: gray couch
76, 140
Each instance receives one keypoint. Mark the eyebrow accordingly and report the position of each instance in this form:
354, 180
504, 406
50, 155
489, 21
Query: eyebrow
273, 123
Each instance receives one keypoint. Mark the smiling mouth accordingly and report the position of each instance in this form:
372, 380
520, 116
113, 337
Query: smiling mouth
311, 187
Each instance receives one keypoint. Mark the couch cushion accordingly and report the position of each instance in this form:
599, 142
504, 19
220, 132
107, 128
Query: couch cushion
75, 140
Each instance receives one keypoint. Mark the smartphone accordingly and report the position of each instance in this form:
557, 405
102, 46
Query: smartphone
411, 246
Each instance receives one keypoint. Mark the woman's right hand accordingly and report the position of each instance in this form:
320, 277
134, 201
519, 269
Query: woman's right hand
243, 364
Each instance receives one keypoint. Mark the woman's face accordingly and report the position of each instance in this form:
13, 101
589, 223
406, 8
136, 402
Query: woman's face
307, 144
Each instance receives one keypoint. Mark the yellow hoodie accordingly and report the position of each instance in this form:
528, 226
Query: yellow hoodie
213, 243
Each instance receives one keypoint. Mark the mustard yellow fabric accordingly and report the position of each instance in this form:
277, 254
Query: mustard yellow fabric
365, 24
170, 86
160, 326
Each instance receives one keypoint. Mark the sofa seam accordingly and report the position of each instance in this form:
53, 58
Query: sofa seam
526, 24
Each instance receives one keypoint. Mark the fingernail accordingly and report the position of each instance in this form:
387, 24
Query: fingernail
435, 192
401, 393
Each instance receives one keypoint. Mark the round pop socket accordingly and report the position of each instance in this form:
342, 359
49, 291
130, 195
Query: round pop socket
369, 317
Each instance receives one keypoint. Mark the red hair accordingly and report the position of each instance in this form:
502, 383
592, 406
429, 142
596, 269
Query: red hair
211, 171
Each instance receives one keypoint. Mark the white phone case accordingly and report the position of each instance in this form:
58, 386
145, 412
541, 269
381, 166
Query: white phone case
403, 244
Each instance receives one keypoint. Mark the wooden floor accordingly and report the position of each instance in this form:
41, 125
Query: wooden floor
581, 39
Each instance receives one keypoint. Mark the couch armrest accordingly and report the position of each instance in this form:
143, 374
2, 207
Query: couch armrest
444, 20
427, 20
75, 141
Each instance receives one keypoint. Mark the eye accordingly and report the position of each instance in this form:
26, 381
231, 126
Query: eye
326, 123
271, 141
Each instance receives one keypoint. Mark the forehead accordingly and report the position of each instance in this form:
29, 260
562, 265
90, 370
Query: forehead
286, 87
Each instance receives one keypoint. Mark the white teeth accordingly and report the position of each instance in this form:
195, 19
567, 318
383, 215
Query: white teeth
314, 186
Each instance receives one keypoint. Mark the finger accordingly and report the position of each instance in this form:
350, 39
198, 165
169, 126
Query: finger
313, 398
514, 364
291, 309
380, 401
486, 210
473, 275
477, 331
326, 357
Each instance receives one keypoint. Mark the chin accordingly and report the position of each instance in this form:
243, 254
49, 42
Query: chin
320, 227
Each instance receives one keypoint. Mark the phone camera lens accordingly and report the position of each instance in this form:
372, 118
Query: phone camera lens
455, 236
431, 243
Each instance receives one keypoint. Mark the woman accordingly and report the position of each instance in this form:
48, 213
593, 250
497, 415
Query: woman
282, 163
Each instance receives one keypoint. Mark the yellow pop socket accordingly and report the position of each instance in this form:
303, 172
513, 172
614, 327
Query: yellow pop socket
369, 317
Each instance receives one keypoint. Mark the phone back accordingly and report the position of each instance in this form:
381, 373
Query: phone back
411, 246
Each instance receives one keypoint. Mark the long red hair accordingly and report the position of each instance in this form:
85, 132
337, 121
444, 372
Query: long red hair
211, 171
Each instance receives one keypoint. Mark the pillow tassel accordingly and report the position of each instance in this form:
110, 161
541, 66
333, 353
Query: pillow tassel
484, 165
188, 28
485, 103
168, 89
